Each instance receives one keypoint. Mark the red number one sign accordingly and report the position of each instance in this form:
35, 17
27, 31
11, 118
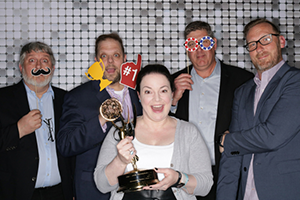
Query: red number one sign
129, 72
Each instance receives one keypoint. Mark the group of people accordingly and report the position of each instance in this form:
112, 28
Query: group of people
210, 131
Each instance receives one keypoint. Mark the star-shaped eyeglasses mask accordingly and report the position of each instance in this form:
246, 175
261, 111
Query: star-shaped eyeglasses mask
206, 43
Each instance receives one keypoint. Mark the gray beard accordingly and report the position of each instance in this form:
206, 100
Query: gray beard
32, 81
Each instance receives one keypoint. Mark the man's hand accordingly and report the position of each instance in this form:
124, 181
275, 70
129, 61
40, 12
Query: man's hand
222, 141
29, 123
182, 82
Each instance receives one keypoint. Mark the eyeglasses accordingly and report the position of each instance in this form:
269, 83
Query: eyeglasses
49, 124
264, 40
206, 43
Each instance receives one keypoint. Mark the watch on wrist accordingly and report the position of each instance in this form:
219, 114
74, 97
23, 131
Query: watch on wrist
179, 183
219, 141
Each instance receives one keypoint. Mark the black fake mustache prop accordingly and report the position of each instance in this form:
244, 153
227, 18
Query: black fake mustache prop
40, 71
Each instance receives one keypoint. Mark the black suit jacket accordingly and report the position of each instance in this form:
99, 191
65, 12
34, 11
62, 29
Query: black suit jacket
19, 158
81, 134
231, 78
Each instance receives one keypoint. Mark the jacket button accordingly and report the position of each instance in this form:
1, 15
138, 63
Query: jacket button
33, 179
245, 169
36, 158
235, 152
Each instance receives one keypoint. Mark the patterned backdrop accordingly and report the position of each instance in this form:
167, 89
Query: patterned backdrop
153, 29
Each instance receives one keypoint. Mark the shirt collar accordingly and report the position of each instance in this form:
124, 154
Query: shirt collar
267, 75
50, 90
216, 71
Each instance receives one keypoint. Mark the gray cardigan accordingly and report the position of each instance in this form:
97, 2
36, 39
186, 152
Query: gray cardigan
190, 156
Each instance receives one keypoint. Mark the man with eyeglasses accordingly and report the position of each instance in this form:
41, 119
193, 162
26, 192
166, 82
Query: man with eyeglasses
204, 90
261, 152
31, 168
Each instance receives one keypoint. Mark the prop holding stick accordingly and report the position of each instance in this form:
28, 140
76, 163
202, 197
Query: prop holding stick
35, 74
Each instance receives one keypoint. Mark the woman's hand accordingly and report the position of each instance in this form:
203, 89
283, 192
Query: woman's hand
120, 162
171, 177
126, 150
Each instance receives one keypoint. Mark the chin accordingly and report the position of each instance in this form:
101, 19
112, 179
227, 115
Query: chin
33, 82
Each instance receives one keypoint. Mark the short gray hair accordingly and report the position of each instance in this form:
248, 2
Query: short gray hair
37, 47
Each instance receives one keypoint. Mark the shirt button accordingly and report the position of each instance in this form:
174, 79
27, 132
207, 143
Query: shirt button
171, 165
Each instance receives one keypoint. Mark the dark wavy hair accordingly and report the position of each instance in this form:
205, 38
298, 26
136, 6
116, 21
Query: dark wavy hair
154, 69
103, 37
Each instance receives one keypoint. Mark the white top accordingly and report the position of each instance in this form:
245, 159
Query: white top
151, 156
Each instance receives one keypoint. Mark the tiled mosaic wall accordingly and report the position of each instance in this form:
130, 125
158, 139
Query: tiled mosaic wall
153, 29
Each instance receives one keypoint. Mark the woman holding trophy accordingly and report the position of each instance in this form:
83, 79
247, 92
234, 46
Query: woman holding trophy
173, 148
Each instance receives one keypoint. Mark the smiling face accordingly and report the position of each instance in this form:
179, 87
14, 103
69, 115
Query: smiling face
36, 60
156, 96
202, 60
265, 57
111, 53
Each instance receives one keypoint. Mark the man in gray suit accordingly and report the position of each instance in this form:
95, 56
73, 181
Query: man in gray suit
261, 158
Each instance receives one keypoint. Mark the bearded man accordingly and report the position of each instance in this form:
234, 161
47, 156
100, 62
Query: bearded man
30, 165
83, 129
260, 158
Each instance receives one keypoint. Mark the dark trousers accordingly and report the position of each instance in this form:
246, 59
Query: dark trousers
48, 193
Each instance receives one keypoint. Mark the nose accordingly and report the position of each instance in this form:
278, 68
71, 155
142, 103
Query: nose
259, 47
157, 96
199, 49
39, 64
110, 59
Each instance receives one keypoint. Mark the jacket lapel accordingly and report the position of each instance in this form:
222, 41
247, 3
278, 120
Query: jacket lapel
223, 91
21, 98
271, 87
249, 105
23, 108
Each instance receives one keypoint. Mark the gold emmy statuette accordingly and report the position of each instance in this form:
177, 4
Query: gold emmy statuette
135, 180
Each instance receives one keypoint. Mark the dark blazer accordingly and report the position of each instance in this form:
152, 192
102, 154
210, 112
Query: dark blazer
231, 78
272, 134
81, 134
19, 158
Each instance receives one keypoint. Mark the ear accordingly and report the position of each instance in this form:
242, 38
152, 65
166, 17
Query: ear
95, 59
138, 95
125, 58
282, 41
215, 45
20, 67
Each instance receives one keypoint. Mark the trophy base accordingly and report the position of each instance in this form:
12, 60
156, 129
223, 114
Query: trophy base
135, 180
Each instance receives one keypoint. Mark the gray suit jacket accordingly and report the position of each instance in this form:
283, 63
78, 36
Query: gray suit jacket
272, 135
